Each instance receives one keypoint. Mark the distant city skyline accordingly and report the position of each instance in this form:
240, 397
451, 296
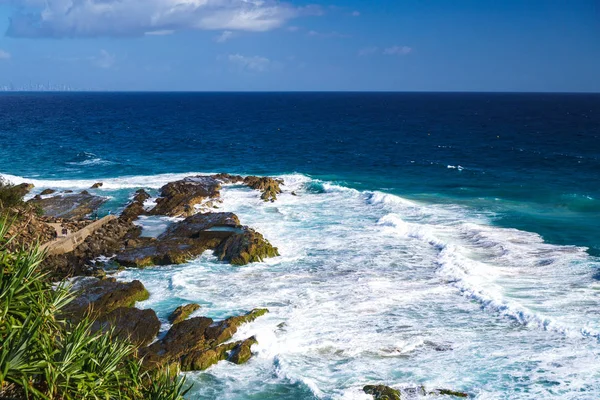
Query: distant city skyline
302, 45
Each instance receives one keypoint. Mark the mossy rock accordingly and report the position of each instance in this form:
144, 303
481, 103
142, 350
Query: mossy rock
448, 392
381, 392
46, 192
201, 360
242, 352
245, 248
182, 312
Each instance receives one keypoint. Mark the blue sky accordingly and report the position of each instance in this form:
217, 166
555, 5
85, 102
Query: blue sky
213, 45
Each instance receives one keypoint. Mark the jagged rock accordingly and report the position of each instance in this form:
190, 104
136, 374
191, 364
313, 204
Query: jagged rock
136, 207
108, 240
242, 352
97, 185
228, 178
447, 392
73, 206
182, 312
247, 247
193, 236
179, 198
195, 343
381, 392
100, 297
269, 187
46, 192
138, 326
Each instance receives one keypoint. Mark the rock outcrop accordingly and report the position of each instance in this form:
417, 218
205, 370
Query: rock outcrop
179, 198
191, 237
198, 343
100, 297
381, 392
46, 192
128, 323
106, 241
71, 206
97, 185
182, 312
269, 187
136, 207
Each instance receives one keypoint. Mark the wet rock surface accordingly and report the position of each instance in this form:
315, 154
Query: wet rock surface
70, 206
198, 343
191, 237
269, 187
182, 312
136, 207
381, 392
179, 198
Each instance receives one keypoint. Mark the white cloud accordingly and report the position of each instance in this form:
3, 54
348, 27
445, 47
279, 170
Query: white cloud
356, 13
104, 60
397, 51
253, 63
4, 55
89, 18
223, 37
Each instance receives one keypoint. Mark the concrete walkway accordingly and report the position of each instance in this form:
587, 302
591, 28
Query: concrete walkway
70, 242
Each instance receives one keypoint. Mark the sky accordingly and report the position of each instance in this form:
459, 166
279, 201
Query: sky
316, 45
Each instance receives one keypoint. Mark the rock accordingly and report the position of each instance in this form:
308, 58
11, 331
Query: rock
138, 326
269, 187
197, 343
73, 206
107, 241
67, 191
191, 237
179, 198
46, 192
136, 207
100, 297
182, 312
447, 392
97, 185
23, 188
84, 192
294, 194
228, 178
245, 248
242, 353
381, 392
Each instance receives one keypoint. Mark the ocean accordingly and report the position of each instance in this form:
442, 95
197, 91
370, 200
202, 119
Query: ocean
442, 239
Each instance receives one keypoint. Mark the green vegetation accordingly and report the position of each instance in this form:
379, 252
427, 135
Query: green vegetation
44, 356
10, 195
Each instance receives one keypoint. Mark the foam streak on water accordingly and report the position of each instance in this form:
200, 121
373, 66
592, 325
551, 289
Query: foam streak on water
374, 288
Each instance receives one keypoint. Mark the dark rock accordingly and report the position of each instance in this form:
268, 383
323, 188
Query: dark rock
294, 194
242, 353
100, 297
195, 343
67, 191
228, 178
84, 192
75, 206
97, 185
136, 207
46, 192
182, 312
193, 236
179, 198
138, 326
245, 248
447, 392
269, 187
381, 392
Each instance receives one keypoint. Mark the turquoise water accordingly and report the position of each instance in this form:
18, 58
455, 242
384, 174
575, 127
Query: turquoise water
448, 240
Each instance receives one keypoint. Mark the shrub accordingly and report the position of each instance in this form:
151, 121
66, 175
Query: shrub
11, 195
43, 356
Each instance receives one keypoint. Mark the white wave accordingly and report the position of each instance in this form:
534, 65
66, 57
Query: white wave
91, 162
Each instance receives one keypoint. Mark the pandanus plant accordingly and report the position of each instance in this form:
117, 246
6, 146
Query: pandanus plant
45, 356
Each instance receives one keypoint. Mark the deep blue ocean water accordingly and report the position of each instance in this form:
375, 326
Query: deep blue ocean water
496, 196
